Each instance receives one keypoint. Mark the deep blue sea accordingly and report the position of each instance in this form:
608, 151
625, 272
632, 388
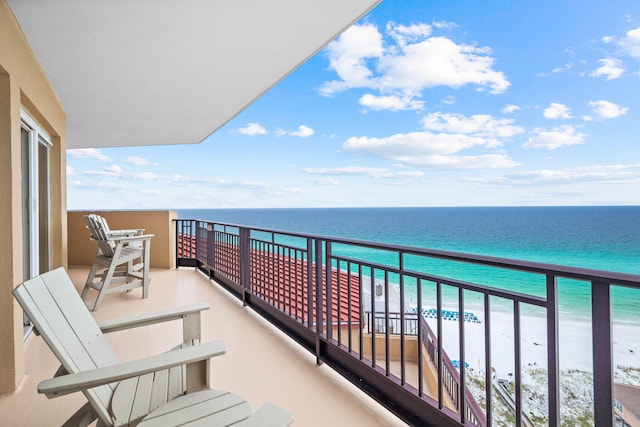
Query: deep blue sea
602, 237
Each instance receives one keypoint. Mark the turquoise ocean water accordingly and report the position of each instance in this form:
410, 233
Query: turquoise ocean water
604, 238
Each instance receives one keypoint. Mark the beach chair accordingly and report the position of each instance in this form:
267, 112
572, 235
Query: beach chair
118, 394
122, 261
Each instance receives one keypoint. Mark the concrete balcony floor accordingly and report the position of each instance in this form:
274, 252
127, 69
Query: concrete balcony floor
261, 364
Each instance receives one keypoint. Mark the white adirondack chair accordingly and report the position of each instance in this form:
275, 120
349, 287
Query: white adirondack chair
122, 261
118, 394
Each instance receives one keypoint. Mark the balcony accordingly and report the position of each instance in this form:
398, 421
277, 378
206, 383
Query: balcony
347, 341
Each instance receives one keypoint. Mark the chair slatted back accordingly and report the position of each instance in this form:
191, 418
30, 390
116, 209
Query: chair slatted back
100, 233
62, 319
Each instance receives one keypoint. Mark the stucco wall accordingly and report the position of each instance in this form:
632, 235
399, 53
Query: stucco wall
159, 223
24, 86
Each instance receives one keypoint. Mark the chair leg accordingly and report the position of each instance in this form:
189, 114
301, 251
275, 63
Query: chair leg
129, 273
145, 270
83, 417
90, 279
106, 281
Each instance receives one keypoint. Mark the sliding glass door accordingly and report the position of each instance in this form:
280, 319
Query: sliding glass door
35, 200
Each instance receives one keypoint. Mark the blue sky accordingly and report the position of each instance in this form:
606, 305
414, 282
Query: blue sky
421, 103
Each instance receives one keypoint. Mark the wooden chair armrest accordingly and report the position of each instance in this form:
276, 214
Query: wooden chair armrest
152, 318
72, 383
119, 239
129, 232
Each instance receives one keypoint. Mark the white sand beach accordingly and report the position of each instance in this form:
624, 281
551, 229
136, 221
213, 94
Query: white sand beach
575, 339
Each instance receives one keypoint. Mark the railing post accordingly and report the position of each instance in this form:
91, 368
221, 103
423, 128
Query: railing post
387, 338
402, 320
421, 342
211, 239
517, 342
602, 354
310, 288
178, 223
439, 344
553, 357
318, 290
372, 292
198, 241
488, 374
462, 386
244, 262
362, 314
329, 275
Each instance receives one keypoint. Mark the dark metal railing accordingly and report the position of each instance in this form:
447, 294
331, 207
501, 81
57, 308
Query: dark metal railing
318, 290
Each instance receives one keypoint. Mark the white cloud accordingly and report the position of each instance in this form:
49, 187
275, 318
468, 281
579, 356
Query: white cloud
483, 161
438, 61
405, 63
326, 181
478, 125
446, 135
265, 189
114, 169
449, 100
413, 143
510, 108
607, 109
403, 34
605, 173
557, 111
138, 161
87, 153
444, 25
303, 131
116, 186
348, 55
110, 171
145, 176
428, 149
630, 43
362, 170
391, 102
71, 171
557, 70
565, 67
252, 129
610, 68
178, 179
555, 138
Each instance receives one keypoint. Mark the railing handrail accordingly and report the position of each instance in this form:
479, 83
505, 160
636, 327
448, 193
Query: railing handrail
569, 272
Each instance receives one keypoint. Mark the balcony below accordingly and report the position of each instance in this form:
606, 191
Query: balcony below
262, 364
